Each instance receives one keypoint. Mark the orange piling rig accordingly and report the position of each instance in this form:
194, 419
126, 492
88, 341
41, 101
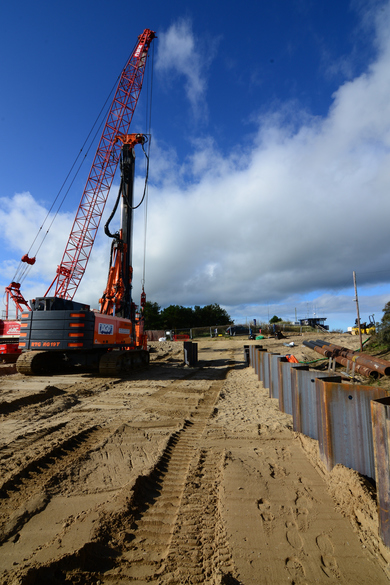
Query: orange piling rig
60, 334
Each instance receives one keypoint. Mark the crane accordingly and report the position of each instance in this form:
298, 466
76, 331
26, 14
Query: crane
59, 331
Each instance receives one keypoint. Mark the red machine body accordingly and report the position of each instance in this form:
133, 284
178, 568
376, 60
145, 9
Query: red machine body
9, 339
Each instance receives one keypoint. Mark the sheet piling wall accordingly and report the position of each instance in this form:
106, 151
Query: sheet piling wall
350, 421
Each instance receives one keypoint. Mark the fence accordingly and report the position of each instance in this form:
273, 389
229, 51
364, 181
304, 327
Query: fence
188, 333
349, 421
154, 334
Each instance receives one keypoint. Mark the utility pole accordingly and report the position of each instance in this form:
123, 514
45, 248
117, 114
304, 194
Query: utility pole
357, 310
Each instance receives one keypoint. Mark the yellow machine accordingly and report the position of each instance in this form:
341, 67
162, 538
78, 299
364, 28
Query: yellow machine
366, 328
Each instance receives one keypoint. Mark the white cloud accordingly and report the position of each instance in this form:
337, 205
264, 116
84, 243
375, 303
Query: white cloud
179, 54
20, 230
309, 205
22, 219
294, 212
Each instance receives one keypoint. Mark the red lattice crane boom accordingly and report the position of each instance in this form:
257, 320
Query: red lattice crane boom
87, 220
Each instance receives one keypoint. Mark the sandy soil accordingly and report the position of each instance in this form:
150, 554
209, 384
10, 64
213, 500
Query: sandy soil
175, 475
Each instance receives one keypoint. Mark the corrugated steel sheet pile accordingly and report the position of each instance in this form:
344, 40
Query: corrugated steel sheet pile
350, 421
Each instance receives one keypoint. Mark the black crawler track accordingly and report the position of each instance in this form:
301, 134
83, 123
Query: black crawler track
107, 363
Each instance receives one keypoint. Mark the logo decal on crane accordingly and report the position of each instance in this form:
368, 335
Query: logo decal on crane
106, 329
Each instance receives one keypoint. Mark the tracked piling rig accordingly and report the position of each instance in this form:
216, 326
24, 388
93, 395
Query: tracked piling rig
60, 334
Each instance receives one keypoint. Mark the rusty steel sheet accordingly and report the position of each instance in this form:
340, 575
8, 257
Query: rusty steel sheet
268, 373
266, 370
304, 399
285, 395
274, 375
259, 364
255, 363
190, 353
263, 365
293, 382
380, 416
252, 355
246, 355
344, 425
262, 357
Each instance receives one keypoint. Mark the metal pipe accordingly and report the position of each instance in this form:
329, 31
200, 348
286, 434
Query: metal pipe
365, 369
378, 365
310, 344
362, 369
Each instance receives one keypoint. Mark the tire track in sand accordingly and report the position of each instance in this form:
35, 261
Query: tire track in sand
26, 492
158, 504
200, 551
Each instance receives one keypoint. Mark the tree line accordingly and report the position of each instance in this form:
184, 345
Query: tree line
179, 317
383, 330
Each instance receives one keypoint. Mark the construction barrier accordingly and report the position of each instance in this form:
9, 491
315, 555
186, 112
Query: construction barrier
181, 337
351, 422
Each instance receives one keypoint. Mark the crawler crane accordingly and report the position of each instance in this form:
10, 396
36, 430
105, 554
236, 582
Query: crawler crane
60, 334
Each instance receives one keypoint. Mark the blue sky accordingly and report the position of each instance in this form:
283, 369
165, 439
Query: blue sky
270, 160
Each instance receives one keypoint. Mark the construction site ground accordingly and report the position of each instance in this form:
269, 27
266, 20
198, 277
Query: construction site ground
176, 475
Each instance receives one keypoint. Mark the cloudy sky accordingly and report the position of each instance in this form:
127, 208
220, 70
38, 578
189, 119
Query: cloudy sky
269, 180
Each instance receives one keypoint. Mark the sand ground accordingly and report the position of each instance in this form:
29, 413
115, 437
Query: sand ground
175, 475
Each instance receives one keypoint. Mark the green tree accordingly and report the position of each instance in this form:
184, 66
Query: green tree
176, 317
179, 317
152, 316
383, 334
275, 319
213, 315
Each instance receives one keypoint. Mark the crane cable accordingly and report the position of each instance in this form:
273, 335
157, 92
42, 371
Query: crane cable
26, 268
123, 194
144, 197
146, 192
146, 183
23, 268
